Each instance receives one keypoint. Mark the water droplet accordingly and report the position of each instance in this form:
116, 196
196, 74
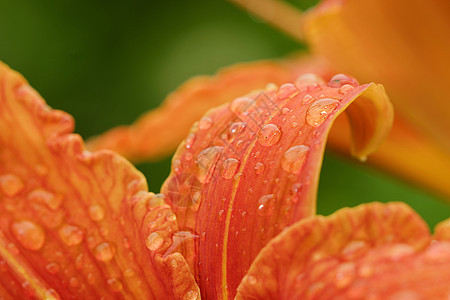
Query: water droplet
318, 111
91, 278
251, 279
129, 273
308, 99
74, 282
79, 261
346, 88
241, 104
171, 217
154, 241
206, 162
287, 90
294, 159
30, 235
176, 165
229, 168
11, 185
269, 135
71, 235
191, 295
104, 251
236, 129
189, 140
259, 168
114, 284
47, 198
345, 274
398, 251
96, 212
51, 294
354, 249
52, 268
266, 204
437, 252
365, 271
294, 124
156, 200
308, 80
340, 80
205, 123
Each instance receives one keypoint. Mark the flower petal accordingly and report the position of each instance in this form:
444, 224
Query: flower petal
442, 230
148, 138
428, 165
250, 168
75, 224
402, 44
373, 251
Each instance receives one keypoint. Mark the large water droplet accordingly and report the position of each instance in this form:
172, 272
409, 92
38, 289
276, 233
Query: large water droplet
319, 111
259, 168
30, 235
287, 90
104, 251
241, 104
341, 79
269, 135
266, 204
96, 212
71, 235
11, 185
229, 168
236, 129
45, 197
205, 123
294, 159
206, 162
154, 241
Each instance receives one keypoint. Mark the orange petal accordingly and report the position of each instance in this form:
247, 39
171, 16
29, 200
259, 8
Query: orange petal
406, 152
442, 230
373, 251
402, 44
75, 224
250, 168
158, 133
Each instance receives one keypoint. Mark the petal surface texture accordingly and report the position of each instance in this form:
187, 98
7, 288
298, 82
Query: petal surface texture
76, 224
250, 168
402, 44
373, 251
190, 102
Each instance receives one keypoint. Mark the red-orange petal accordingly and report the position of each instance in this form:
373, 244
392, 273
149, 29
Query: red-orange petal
402, 44
158, 133
373, 251
428, 165
250, 168
76, 224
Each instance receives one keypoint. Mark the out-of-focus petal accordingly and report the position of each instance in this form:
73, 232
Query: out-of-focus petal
250, 168
158, 132
405, 152
75, 224
373, 251
442, 230
403, 44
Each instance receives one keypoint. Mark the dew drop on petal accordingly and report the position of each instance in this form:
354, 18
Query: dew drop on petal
294, 159
398, 251
287, 90
345, 274
30, 235
104, 251
45, 197
129, 273
269, 135
154, 241
259, 168
235, 130
308, 99
51, 294
156, 200
266, 204
96, 212
206, 162
191, 295
52, 268
71, 235
251, 279
205, 123
319, 111
189, 140
114, 284
340, 80
346, 88
229, 168
74, 282
241, 104
308, 80
11, 184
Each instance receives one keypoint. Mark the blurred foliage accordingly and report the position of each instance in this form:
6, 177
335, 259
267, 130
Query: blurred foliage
107, 62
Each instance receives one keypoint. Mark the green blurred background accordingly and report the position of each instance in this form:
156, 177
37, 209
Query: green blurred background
107, 62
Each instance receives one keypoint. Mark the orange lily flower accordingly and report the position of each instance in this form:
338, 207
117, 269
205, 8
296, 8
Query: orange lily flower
240, 201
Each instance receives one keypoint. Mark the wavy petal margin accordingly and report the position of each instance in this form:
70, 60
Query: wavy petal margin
373, 251
403, 44
192, 100
75, 224
250, 168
